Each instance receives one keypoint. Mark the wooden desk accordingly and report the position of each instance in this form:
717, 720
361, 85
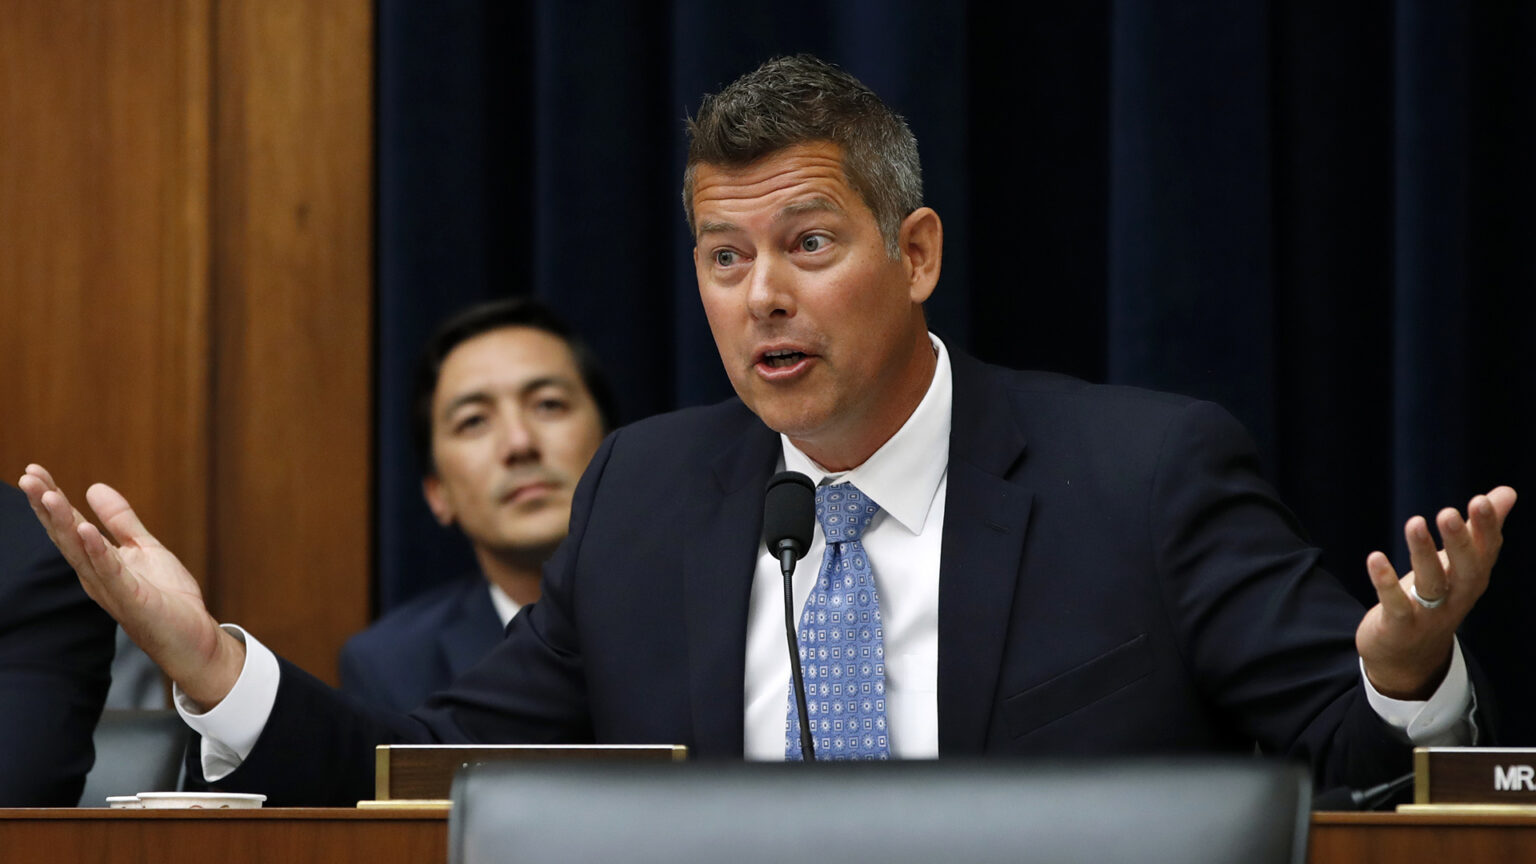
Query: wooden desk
286, 835
1391, 838
342, 836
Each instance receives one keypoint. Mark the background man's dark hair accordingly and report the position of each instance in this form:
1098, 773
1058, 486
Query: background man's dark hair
802, 100
475, 321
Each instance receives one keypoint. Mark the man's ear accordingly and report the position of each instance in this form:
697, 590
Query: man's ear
437, 499
922, 251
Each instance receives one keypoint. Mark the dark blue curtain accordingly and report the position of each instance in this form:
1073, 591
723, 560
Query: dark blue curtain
1320, 215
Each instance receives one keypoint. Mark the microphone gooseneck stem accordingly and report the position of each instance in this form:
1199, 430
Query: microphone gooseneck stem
787, 564
1374, 797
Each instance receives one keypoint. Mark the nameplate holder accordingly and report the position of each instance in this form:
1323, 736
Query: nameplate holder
424, 772
1474, 775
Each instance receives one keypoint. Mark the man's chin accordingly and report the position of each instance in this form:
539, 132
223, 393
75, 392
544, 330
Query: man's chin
795, 419
531, 540
523, 555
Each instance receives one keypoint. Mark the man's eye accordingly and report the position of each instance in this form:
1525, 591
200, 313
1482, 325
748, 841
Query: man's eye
724, 257
469, 423
552, 406
812, 242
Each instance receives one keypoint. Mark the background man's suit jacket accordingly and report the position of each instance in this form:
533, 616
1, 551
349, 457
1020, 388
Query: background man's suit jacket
55, 665
1116, 579
421, 647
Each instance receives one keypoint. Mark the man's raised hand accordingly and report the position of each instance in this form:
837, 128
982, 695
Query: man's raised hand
141, 584
1405, 639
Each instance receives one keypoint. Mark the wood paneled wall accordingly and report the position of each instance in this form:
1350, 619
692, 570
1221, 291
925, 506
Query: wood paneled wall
104, 251
185, 287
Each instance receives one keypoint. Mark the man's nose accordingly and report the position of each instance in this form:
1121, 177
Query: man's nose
517, 441
770, 291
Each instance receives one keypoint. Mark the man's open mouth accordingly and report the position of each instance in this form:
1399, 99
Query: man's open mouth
781, 359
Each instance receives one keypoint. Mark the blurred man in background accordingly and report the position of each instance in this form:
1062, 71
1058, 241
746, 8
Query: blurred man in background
507, 409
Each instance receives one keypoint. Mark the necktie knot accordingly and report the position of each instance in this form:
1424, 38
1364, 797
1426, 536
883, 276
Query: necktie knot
844, 512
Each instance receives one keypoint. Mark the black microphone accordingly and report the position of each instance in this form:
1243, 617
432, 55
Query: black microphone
1345, 798
789, 515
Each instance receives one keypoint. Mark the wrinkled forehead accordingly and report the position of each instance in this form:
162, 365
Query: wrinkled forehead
787, 181
696, 165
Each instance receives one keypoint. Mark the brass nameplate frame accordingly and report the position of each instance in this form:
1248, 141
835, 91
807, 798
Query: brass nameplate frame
425, 771
1474, 775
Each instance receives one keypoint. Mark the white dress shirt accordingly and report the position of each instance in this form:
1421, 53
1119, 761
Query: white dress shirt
506, 607
907, 477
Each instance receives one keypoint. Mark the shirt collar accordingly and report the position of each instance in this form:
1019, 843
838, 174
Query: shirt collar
903, 476
505, 606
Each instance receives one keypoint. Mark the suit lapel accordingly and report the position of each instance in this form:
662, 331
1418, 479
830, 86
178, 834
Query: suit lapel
984, 527
719, 556
473, 630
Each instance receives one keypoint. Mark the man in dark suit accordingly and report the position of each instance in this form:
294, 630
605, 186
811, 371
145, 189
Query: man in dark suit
55, 666
1061, 568
419, 648
508, 407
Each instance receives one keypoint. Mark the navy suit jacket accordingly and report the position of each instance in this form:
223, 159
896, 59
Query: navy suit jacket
1116, 579
55, 665
421, 647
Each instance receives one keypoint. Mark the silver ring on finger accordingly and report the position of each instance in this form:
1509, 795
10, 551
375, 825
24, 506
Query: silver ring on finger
1413, 591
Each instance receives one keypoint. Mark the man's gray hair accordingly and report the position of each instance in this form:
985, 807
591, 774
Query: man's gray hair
803, 100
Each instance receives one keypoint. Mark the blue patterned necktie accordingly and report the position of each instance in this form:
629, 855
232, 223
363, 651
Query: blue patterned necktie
842, 646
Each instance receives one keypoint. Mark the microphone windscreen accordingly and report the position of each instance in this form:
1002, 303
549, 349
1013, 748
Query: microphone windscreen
789, 512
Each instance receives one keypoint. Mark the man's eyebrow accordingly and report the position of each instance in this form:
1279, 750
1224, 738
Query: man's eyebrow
471, 398
525, 389
543, 381
715, 226
812, 205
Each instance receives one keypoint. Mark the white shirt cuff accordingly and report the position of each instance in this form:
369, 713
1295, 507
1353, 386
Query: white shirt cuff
230, 728
1446, 719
